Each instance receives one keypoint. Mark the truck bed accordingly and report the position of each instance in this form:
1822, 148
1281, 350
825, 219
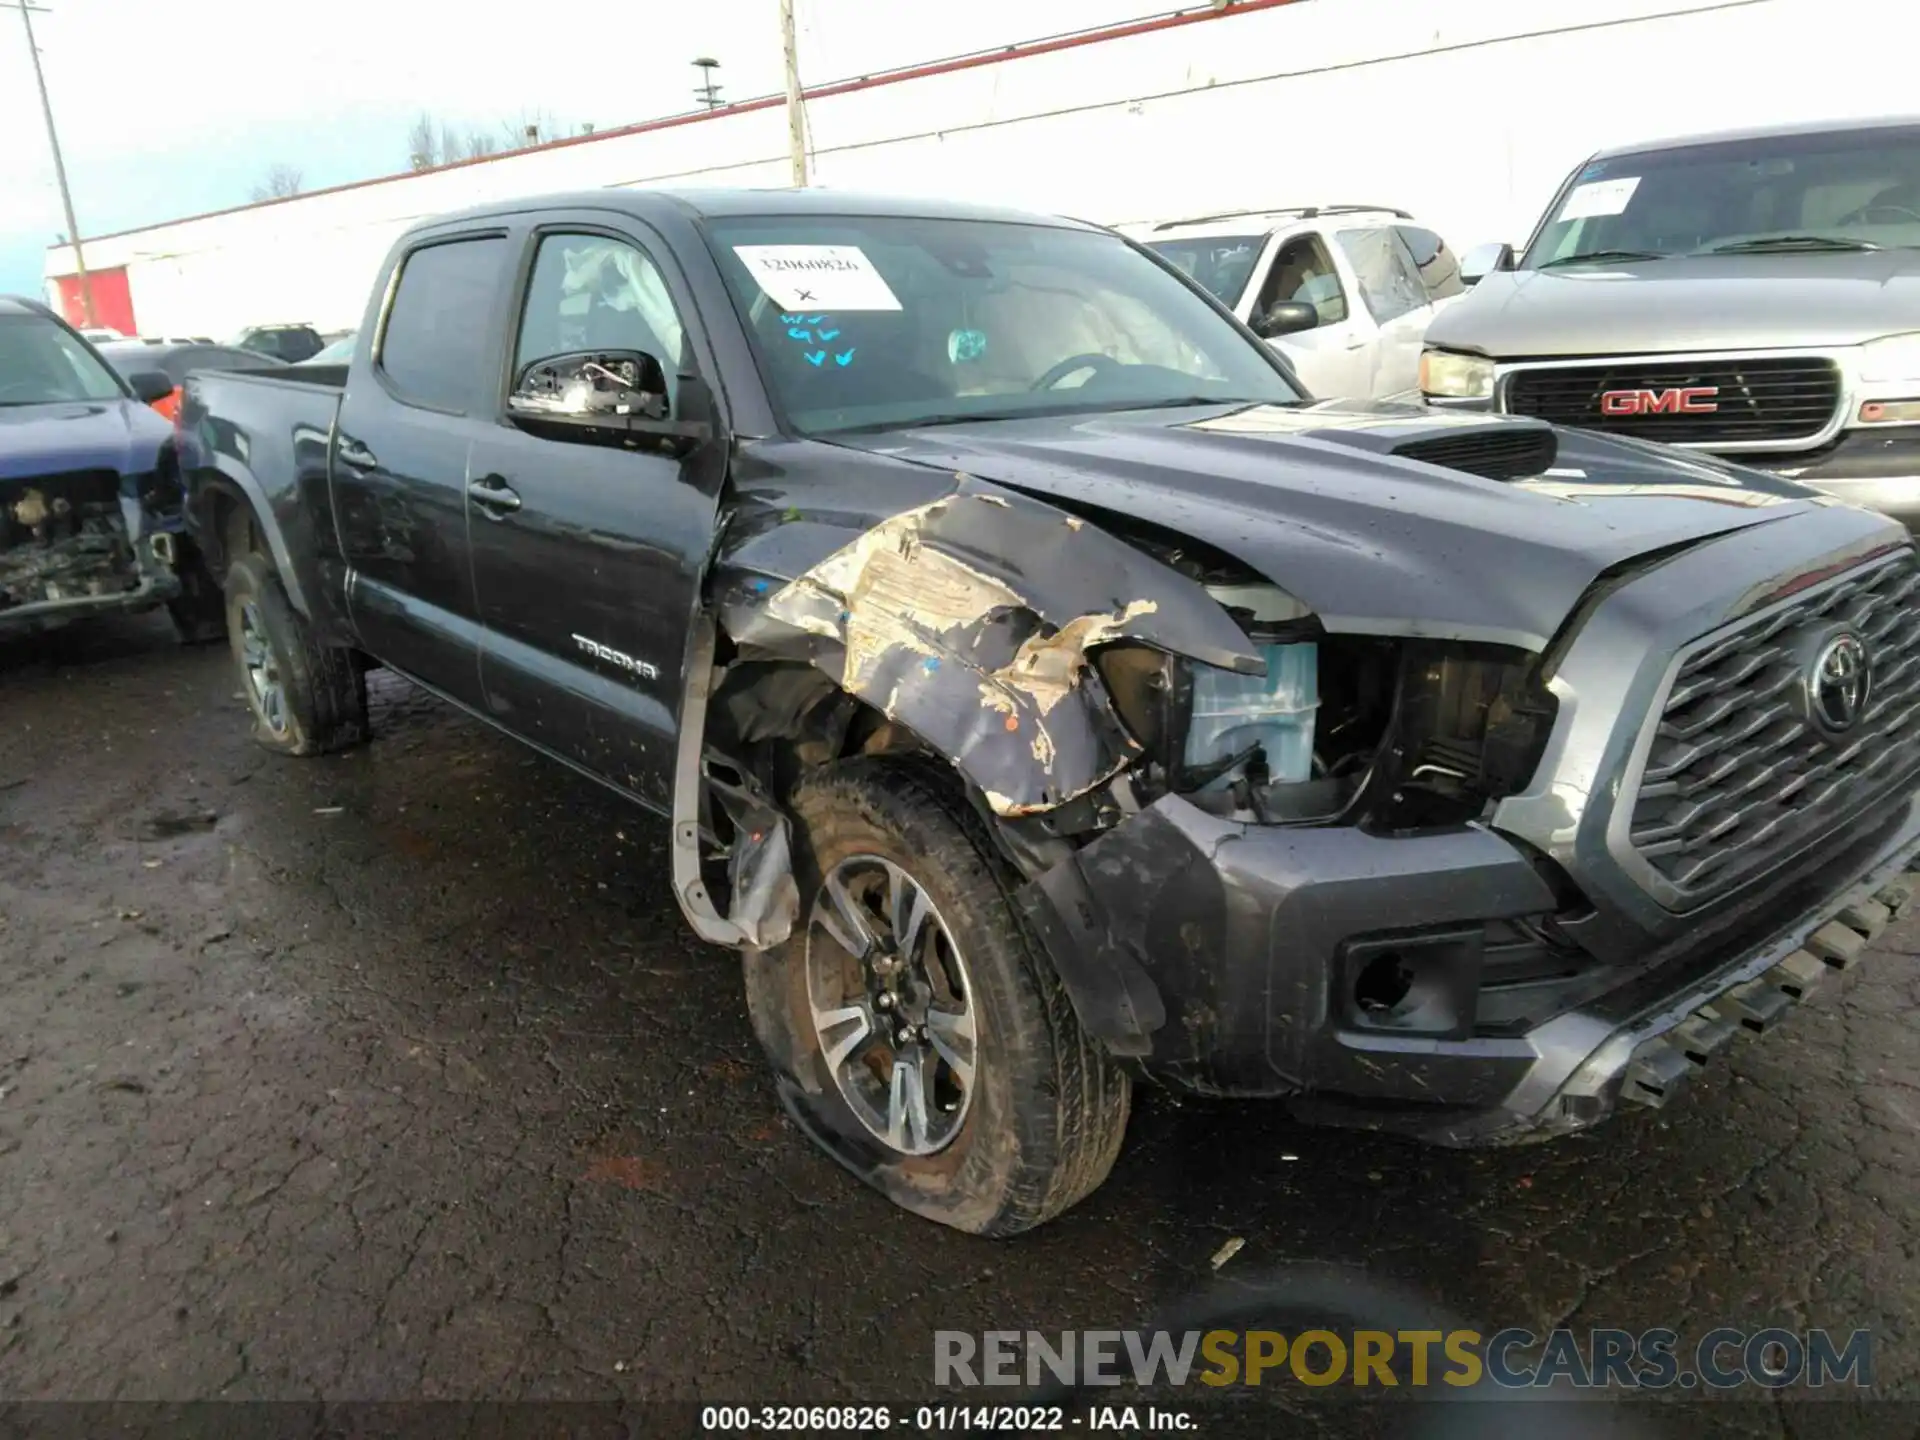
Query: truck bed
269, 433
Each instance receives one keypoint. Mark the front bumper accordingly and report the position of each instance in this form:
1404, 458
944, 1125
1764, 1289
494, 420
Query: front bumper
154, 588
1228, 959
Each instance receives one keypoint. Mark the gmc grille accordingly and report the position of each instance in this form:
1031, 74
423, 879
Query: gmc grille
1736, 780
1764, 399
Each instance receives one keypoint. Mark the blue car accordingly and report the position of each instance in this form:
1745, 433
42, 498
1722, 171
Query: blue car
90, 494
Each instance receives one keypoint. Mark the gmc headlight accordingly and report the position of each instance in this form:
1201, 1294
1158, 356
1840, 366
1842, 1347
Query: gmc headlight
1452, 376
1897, 357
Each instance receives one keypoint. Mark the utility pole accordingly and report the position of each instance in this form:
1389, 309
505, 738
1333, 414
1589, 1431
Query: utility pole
796, 111
709, 93
26, 10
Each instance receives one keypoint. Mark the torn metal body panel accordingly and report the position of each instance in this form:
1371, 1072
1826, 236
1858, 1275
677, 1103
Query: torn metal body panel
968, 618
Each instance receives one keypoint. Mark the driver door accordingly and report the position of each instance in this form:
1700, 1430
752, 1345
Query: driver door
587, 554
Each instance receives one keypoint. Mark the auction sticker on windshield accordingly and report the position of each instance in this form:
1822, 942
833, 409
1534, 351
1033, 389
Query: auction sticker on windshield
819, 277
1599, 197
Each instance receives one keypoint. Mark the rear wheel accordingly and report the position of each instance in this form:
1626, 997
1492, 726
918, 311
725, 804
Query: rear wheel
306, 698
920, 1035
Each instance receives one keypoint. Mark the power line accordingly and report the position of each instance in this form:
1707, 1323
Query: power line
27, 12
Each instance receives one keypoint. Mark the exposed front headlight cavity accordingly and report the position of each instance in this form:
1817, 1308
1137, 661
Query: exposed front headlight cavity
1261, 719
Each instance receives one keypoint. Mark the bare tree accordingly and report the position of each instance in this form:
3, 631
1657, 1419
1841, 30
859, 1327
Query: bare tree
433, 142
533, 127
423, 143
473, 145
281, 182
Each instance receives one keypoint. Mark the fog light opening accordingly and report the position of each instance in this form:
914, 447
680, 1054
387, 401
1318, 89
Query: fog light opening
1383, 984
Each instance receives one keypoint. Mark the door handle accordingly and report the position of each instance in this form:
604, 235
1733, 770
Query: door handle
356, 456
494, 495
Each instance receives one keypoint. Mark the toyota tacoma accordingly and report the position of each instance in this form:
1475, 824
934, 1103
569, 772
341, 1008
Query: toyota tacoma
1045, 695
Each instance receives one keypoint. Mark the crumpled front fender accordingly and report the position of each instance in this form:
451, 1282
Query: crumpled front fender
968, 619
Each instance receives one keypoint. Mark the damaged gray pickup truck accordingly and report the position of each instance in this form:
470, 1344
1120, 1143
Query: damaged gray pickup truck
1045, 695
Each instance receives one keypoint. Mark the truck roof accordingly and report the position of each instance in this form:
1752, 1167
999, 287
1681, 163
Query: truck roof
1762, 132
704, 203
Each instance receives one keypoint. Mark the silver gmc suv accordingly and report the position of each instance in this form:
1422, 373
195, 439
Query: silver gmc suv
1755, 295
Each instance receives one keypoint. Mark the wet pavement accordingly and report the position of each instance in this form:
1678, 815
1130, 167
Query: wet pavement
395, 1075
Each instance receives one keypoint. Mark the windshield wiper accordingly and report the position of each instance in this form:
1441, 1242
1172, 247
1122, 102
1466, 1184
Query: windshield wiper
1787, 242
1603, 257
1045, 412
917, 422
1177, 402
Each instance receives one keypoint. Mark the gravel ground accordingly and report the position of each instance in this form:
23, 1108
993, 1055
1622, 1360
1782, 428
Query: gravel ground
396, 1076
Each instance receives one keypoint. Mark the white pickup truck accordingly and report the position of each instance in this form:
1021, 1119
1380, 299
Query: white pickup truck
1345, 292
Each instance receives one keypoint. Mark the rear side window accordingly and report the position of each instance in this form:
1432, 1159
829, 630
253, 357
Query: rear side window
1388, 282
434, 348
1439, 270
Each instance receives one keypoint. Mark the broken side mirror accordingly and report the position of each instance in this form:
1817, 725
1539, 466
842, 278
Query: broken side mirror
603, 388
1482, 260
1285, 317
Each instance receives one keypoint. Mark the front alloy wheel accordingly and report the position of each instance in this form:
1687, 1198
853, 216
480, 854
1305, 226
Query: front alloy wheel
892, 1005
918, 1032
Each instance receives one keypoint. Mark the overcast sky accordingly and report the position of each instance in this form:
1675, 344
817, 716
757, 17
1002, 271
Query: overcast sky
179, 107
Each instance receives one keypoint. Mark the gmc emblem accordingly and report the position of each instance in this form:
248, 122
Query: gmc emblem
1692, 400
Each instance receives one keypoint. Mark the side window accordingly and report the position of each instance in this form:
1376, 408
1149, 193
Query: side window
1439, 270
1303, 271
434, 347
1388, 281
589, 292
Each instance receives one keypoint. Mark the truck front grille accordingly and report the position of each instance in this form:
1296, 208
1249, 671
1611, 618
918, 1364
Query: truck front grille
1756, 399
1737, 780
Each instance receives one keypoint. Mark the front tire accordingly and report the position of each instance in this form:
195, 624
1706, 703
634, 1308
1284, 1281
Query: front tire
920, 1035
306, 698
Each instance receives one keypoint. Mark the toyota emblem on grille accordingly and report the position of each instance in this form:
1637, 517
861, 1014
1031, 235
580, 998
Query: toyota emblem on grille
1839, 682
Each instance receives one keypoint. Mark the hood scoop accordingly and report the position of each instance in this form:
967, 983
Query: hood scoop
1502, 449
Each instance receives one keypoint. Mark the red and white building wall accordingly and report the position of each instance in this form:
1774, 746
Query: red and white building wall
1468, 116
